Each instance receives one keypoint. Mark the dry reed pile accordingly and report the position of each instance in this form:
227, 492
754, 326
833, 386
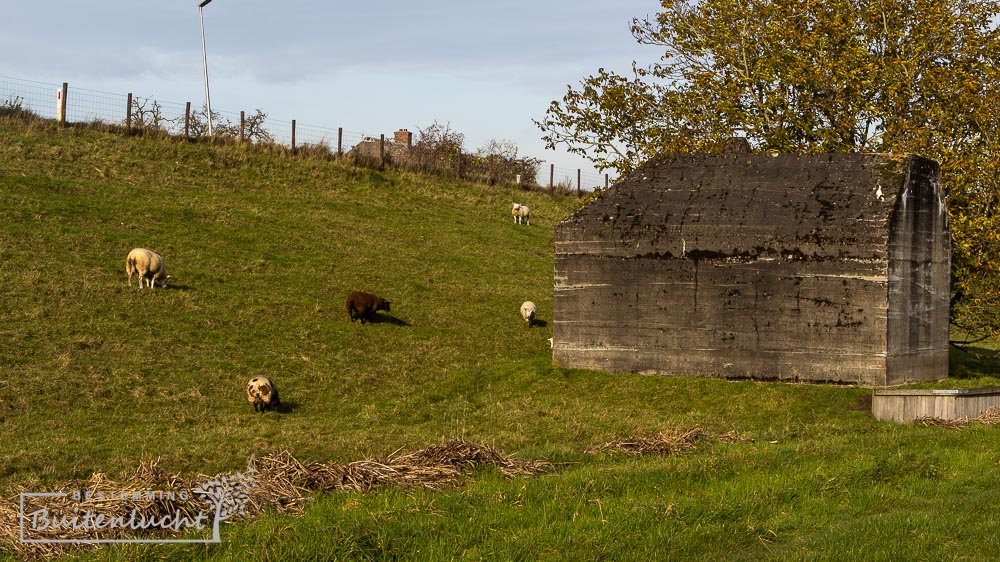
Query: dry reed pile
278, 482
990, 416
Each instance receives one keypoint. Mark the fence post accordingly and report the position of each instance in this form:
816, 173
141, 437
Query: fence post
293, 136
381, 151
578, 192
340, 141
61, 107
187, 121
128, 113
243, 125
458, 167
552, 177
605, 181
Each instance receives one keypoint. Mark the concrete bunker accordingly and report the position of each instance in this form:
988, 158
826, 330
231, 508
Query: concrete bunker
821, 268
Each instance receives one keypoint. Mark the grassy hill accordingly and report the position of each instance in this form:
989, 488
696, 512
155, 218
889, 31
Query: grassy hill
96, 376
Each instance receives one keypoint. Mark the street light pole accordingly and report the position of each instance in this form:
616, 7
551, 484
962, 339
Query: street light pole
204, 59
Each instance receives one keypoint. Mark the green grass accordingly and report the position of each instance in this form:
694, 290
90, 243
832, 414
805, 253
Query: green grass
264, 248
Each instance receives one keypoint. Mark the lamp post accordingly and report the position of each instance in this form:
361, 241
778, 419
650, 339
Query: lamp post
204, 59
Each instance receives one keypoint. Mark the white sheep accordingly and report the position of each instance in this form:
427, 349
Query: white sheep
148, 265
521, 213
528, 311
263, 394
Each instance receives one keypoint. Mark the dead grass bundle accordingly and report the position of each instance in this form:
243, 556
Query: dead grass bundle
279, 482
929, 421
990, 416
119, 498
463, 455
668, 442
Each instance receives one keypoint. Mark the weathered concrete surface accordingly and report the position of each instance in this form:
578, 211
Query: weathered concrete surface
815, 268
905, 406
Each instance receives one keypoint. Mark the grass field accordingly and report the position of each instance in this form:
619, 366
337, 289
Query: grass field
263, 248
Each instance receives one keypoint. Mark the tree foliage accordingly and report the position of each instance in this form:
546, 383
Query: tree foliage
809, 76
440, 148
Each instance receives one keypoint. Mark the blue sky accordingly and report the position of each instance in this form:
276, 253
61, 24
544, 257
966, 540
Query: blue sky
486, 68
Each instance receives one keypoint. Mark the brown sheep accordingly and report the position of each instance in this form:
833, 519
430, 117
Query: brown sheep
263, 394
364, 305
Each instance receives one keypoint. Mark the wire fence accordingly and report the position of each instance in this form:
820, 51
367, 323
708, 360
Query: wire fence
79, 105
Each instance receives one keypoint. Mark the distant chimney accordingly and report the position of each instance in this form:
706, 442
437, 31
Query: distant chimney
403, 136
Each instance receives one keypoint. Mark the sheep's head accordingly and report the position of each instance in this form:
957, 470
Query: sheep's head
162, 280
384, 305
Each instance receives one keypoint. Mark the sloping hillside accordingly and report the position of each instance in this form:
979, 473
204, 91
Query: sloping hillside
263, 249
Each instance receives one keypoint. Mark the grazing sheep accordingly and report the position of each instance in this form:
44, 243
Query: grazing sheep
263, 394
364, 305
148, 265
528, 311
521, 213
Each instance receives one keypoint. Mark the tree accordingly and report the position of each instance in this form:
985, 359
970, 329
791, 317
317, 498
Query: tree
808, 76
497, 162
437, 146
147, 115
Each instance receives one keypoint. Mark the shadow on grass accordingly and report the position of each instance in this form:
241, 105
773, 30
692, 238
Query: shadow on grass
539, 324
287, 406
386, 319
971, 362
864, 404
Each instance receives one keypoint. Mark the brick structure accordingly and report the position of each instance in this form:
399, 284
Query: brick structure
395, 149
822, 268
403, 137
